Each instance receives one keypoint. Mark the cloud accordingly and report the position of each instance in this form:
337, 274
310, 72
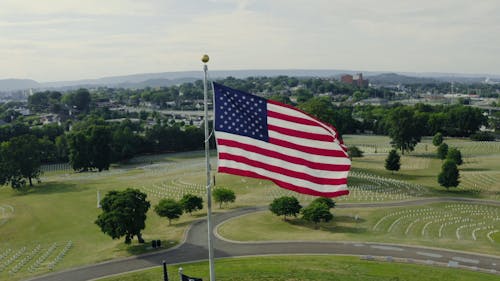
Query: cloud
88, 7
54, 40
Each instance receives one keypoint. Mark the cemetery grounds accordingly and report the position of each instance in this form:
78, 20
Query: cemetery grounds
51, 227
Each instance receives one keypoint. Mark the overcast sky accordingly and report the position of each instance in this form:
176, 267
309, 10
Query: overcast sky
53, 40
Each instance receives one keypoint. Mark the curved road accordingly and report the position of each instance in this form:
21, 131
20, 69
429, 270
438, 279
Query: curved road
194, 248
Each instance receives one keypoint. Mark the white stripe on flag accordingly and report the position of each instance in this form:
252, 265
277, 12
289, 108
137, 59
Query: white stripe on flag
307, 142
298, 127
297, 113
283, 164
284, 150
281, 177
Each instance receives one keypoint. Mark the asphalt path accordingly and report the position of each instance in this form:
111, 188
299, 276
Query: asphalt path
194, 248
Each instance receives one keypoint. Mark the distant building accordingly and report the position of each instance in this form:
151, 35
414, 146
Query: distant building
356, 80
346, 79
49, 119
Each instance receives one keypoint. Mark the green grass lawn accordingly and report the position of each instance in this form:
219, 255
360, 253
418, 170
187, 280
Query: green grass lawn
63, 207
414, 225
307, 268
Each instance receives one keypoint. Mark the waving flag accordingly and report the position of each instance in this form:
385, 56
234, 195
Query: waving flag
265, 139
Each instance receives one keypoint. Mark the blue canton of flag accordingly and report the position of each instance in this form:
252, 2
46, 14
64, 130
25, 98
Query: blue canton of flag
241, 113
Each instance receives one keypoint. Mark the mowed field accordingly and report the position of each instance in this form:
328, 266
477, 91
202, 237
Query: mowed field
308, 268
51, 227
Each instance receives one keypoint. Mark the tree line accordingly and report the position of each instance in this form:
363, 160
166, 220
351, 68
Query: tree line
89, 140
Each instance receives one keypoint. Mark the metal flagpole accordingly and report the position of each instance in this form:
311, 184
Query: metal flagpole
165, 273
205, 59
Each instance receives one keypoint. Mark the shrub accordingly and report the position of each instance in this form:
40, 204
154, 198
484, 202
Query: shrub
482, 136
354, 151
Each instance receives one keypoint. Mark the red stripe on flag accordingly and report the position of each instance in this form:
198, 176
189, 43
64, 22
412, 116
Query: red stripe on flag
284, 171
282, 184
293, 119
301, 134
284, 157
308, 149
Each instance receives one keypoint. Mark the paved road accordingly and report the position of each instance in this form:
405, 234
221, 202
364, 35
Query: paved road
194, 248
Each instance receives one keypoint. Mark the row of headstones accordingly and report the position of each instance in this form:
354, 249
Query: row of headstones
154, 192
401, 213
378, 193
372, 148
383, 181
184, 185
374, 188
171, 192
474, 209
61, 255
26, 258
480, 181
455, 220
56, 167
468, 209
471, 148
395, 222
12, 259
448, 221
184, 189
42, 258
356, 194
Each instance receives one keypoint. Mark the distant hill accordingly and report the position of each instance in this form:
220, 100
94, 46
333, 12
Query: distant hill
164, 79
17, 84
395, 79
175, 78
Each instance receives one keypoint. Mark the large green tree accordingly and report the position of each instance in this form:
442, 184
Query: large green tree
339, 117
20, 160
285, 206
442, 150
191, 203
404, 129
169, 208
223, 195
124, 214
317, 212
79, 151
90, 148
100, 147
449, 174
393, 161
354, 151
455, 155
81, 99
325, 200
437, 139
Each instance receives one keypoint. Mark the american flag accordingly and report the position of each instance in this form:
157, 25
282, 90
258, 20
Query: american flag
269, 140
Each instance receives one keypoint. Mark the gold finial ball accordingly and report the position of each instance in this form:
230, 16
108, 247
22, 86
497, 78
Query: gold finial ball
205, 58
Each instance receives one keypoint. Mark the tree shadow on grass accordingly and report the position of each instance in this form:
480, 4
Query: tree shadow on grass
453, 191
348, 219
178, 224
342, 229
329, 227
430, 155
53, 188
136, 249
474, 169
